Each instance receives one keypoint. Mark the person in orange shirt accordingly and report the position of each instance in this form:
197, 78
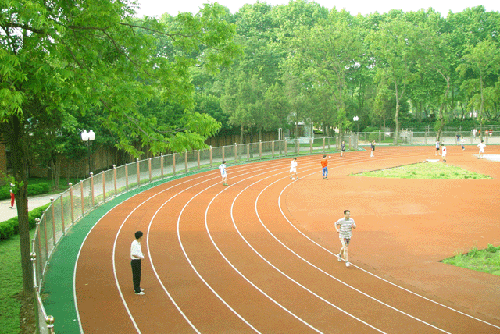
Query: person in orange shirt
324, 164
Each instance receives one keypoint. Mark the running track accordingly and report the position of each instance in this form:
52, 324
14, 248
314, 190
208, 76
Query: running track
258, 256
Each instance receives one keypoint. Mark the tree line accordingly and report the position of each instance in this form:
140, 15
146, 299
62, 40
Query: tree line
151, 85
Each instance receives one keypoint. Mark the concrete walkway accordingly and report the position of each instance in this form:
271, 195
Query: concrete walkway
33, 202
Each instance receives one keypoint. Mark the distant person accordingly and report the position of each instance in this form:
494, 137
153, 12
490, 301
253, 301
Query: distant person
223, 173
344, 227
324, 164
437, 147
372, 146
443, 153
342, 148
293, 169
481, 146
136, 256
12, 198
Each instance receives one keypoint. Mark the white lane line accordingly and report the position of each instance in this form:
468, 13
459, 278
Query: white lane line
324, 272
241, 274
194, 268
374, 275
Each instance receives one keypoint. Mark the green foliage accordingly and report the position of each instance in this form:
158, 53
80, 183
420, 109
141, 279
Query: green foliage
33, 190
486, 260
10, 227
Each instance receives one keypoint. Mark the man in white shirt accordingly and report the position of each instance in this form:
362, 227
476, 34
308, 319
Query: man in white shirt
136, 256
293, 169
481, 146
223, 173
443, 152
344, 229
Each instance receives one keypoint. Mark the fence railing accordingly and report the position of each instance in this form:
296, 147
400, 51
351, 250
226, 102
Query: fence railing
81, 198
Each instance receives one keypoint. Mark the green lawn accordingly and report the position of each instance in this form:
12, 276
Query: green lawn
426, 170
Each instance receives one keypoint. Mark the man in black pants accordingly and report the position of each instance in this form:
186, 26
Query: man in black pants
136, 256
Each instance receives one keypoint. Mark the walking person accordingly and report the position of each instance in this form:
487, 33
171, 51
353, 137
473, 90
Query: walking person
372, 145
344, 228
443, 153
324, 164
293, 169
12, 199
342, 148
481, 146
437, 147
135, 261
223, 173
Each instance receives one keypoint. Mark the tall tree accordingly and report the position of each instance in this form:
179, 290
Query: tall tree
64, 57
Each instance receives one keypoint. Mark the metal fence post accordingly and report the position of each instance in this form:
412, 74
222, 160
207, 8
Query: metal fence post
161, 165
92, 188
223, 154
62, 216
248, 152
324, 145
210, 156
173, 163
260, 149
149, 169
138, 164
272, 147
82, 198
310, 145
286, 148
186, 161
235, 152
114, 179
103, 186
71, 198
199, 166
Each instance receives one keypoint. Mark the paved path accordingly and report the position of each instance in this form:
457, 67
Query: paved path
33, 202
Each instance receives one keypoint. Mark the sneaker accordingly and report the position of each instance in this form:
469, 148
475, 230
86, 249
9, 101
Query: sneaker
142, 290
347, 264
140, 293
339, 258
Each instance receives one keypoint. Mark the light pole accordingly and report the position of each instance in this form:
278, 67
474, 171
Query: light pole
356, 119
86, 137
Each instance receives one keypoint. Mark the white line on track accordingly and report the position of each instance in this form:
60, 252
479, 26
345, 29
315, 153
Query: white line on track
372, 274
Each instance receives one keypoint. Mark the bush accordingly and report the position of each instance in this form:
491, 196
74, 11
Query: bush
33, 190
10, 227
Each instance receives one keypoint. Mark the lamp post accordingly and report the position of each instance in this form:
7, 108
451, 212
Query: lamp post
356, 119
86, 137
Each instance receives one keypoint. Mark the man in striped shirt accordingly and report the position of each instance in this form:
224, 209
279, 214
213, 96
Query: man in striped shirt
344, 227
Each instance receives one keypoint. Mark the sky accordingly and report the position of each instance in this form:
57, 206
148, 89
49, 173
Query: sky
363, 7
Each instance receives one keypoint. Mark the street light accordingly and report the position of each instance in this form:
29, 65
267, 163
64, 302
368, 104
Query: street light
356, 119
86, 137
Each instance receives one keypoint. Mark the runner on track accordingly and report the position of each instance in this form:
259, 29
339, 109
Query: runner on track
344, 227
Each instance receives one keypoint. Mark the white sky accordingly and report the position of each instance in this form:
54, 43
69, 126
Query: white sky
158, 7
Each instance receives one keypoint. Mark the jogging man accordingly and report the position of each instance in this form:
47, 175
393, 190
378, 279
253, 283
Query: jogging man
481, 146
443, 153
223, 173
344, 228
293, 169
342, 148
324, 164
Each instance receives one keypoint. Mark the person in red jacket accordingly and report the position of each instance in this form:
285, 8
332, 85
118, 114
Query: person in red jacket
12, 198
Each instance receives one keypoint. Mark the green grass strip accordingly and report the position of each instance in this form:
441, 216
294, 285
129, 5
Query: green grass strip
425, 170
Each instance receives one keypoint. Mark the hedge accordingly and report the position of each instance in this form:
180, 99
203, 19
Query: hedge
33, 190
10, 227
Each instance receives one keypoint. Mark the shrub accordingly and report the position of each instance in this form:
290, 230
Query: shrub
10, 227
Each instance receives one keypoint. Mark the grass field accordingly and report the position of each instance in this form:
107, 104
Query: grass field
426, 170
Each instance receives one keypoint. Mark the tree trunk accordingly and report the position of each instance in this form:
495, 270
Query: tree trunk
20, 168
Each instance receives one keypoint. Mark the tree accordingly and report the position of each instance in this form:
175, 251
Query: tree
62, 58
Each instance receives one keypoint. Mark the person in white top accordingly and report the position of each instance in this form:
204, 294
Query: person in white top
344, 228
481, 146
223, 173
135, 261
443, 152
293, 169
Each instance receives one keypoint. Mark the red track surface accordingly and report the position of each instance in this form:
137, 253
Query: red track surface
258, 256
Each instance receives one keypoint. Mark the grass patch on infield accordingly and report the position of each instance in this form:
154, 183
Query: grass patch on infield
484, 260
425, 170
